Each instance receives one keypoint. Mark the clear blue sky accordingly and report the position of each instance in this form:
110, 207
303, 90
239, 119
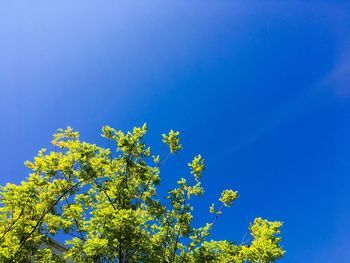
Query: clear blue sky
260, 88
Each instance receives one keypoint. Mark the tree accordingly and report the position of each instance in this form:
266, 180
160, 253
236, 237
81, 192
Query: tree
105, 201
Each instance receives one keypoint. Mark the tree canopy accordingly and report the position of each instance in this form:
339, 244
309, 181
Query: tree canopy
104, 201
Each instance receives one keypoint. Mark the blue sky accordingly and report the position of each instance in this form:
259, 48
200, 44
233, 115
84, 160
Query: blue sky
260, 89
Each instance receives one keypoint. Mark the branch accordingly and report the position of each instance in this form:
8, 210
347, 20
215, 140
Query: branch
46, 212
76, 222
104, 191
74, 235
218, 213
146, 186
151, 177
166, 236
12, 224
180, 228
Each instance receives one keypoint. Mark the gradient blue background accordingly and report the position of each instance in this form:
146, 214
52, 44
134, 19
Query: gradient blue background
260, 88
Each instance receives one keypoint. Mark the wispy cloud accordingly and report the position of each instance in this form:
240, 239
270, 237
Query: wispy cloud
338, 79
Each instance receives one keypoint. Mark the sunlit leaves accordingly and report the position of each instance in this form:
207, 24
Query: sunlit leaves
227, 197
265, 246
172, 139
197, 167
105, 202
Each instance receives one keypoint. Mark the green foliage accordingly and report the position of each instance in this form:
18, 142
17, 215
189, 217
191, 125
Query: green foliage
105, 202
227, 197
197, 167
173, 141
